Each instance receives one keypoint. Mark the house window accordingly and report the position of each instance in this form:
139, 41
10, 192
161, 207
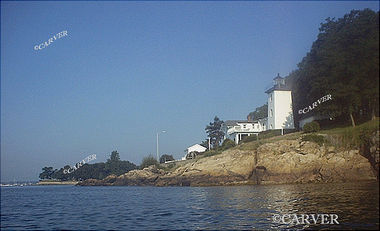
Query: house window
270, 98
271, 126
271, 113
244, 126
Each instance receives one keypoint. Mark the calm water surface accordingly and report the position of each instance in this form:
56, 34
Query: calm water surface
240, 207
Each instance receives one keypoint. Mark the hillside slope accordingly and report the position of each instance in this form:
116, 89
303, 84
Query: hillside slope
278, 160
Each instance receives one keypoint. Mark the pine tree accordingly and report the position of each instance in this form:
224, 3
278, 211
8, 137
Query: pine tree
214, 131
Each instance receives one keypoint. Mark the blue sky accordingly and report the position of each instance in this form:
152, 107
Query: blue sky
129, 69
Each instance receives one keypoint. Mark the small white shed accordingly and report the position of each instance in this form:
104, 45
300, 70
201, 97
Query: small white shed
196, 148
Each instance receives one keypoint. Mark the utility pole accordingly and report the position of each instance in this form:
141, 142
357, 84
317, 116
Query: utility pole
209, 143
157, 147
157, 150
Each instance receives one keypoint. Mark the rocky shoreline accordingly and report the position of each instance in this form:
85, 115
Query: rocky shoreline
279, 162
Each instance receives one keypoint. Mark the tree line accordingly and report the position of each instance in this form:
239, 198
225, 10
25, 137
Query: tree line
343, 62
99, 171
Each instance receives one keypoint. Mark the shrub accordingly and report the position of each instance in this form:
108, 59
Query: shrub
192, 155
311, 127
211, 153
148, 161
249, 138
353, 137
227, 143
165, 158
269, 133
168, 167
314, 138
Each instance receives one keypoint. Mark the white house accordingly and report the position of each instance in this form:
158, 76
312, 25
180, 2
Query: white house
236, 130
280, 112
194, 148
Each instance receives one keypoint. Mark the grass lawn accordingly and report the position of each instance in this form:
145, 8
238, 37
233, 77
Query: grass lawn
352, 137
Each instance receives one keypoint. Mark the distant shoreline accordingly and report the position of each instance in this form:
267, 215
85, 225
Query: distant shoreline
57, 183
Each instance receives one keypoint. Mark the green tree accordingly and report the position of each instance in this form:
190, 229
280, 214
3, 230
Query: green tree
148, 161
343, 62
115, 166
47, 173
214, 131
59, 175
311, 127
114, 157
165, 158
259, 113
227, 143
95, 171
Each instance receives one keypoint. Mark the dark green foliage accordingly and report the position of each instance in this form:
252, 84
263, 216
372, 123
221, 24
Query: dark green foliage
249, 139
276, 132
165, 158
269, 133
343, 62
353, 137
288, 131
47, 173
259, 113
214, 131
227, 143
117, 167
91, 171
96, 171
167, 167
211, 153
192, 155
314, 138
114, 157
59, 175
148, 161
311, 127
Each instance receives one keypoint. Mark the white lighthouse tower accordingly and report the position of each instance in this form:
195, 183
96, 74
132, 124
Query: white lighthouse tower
280, 113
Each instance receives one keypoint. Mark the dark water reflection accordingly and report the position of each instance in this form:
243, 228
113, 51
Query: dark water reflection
241, 207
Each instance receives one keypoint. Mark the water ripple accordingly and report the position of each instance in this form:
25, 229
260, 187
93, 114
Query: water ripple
184, 208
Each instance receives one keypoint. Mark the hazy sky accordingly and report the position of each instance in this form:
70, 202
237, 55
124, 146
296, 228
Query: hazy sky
129, 69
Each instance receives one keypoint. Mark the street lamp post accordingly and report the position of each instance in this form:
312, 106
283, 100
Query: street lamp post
157, 150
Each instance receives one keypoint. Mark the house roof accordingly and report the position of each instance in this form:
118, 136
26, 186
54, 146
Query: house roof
235, 122
280, 87
196, 145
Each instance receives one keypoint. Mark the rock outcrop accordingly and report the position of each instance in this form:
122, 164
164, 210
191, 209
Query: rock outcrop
284, 161
294, 161
230, 167
371, 151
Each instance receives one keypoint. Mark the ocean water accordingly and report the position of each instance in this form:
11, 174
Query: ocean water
187, 208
